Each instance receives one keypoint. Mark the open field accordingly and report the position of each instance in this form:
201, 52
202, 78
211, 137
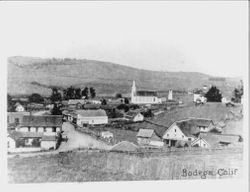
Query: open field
100, 166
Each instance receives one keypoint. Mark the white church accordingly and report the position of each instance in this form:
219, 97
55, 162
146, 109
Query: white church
144, 96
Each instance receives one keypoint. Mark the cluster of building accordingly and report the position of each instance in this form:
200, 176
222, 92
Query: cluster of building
27, 133
190, 132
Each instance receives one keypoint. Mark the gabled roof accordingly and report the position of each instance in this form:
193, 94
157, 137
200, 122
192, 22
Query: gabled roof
124, 146
202, 122
132, 113
215, 138
199, 138
147, 133
43, 121
18, 134
188, 128
91, 113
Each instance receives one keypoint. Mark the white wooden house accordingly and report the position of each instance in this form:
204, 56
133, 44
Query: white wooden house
91, 117
44, 123
179, 131
200, 142
134, 116
186, 130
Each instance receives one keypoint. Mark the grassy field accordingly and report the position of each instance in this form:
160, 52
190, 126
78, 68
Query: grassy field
97, 166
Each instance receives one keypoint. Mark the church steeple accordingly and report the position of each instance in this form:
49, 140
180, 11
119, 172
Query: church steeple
133, 92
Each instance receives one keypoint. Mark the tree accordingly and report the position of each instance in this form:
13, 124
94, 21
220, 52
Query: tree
10, 104
237, 94
92, 92
85, 92
213, 95
126, 101
118, 95
104, 102
56, 95
36, 98
78, 93
56, 110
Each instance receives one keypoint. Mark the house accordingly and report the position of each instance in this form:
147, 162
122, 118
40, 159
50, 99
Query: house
124, 146
148, 137
91, 117
180, 130
16, 117
19, 107
219, 140
31, 141
44, 123
200, 142
203, 124
199, 96
134, 116
76, 103
107, 134
49, 142
144, 96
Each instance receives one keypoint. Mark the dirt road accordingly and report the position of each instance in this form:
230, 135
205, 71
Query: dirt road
79, 140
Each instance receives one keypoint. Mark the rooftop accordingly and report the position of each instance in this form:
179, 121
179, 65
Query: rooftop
124, 146
91, 113
145, 133
18, 134
43, 120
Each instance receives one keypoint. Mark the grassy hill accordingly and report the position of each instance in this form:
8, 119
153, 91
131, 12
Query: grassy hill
28, 75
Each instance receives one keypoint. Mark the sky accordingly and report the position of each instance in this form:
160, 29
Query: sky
209, 37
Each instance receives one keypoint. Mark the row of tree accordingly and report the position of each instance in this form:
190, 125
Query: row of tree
72, 93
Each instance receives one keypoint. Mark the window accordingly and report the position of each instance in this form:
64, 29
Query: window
175, 130
189, 139
16, 120
167, 135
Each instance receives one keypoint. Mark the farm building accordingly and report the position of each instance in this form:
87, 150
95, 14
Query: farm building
45, 123
200, 142
16, 117
134, 116
49, 142
148, 137
216, 139
186, 130
30, 141
125, 146
91, 117
144, 96
203, 124
180, 131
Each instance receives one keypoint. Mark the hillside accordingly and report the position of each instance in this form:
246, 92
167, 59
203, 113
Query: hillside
28, 75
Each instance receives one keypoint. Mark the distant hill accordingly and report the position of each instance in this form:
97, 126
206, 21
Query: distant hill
28, 75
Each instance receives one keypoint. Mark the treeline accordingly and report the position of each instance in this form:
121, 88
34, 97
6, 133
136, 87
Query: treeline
72, 93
